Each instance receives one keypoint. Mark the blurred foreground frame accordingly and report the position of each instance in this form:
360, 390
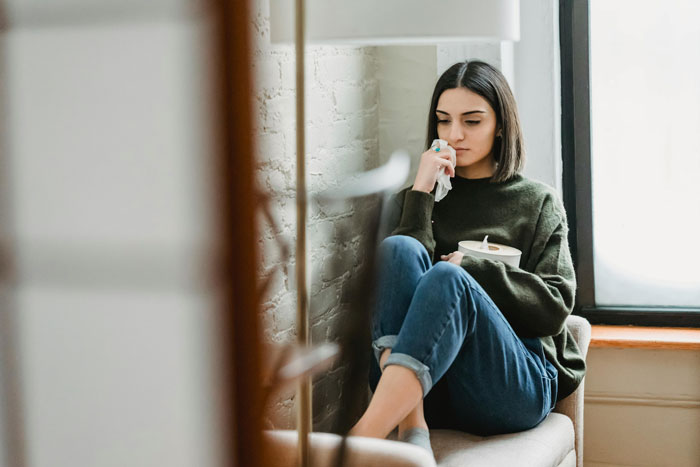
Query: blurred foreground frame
235, 201
229, 127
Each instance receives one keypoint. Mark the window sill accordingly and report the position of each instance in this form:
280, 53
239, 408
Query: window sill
642, 337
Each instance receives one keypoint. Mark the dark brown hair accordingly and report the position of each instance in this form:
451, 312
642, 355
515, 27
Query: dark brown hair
486, 81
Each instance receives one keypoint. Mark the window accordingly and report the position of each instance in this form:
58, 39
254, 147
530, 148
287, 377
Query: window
630, 110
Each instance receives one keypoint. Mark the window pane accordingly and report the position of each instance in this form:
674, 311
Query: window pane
645, 119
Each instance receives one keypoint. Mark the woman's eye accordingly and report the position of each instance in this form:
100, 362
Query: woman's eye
473, 122
443, 121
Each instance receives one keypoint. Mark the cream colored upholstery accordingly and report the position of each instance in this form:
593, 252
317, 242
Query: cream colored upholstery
551, 443
557, 441
572, 406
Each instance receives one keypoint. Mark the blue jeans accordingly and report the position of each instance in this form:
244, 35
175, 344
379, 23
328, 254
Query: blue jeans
477, 375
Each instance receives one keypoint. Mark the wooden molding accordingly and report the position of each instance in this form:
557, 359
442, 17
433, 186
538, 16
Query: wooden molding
642, 337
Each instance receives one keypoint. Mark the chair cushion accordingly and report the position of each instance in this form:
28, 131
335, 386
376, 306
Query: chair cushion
548, 444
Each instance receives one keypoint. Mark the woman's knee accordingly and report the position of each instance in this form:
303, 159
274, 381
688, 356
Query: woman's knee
445, 271
444, 289
401, 244
448, 285
404, 252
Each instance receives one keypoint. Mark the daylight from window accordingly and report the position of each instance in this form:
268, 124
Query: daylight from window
645, 116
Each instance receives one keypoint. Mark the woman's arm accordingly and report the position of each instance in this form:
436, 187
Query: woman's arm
415, 206
416, 218
536, 304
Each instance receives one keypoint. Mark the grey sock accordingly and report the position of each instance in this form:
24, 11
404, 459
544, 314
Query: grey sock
419, 437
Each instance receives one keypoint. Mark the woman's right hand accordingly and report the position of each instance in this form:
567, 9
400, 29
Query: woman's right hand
432, 164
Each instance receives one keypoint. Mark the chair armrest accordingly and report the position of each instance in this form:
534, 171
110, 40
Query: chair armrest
572, 405
581, 330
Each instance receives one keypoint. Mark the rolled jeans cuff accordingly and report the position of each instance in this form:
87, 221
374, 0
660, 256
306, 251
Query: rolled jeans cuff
384, 342
422, 371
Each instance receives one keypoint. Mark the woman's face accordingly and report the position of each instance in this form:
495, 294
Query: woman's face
468, 123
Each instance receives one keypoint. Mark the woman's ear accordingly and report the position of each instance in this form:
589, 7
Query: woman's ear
499, 133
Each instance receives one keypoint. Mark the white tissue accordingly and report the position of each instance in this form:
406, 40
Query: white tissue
485, 244
443, 180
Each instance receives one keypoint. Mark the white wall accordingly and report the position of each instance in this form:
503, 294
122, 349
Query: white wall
496, 53
341, 139
537, 89
406, 76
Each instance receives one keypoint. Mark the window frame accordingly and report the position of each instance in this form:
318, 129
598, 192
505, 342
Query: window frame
574, 34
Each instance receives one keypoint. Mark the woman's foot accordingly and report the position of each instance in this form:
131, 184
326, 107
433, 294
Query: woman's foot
415, 419
397, 393
418, 436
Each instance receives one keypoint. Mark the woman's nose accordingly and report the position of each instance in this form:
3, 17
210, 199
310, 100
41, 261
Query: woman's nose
456, 132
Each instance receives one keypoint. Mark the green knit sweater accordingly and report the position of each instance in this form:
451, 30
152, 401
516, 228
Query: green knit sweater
535, 298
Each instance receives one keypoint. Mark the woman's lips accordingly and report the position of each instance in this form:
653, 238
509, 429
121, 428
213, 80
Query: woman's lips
460, 149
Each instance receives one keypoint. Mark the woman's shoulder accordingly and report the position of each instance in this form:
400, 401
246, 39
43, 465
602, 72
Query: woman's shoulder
531, 186
538, 194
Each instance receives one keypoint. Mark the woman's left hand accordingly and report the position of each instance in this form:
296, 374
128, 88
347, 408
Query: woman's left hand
455, 258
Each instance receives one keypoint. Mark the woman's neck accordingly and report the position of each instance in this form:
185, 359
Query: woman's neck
485, 168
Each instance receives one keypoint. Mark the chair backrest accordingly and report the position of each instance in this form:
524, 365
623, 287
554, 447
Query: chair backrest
572, 405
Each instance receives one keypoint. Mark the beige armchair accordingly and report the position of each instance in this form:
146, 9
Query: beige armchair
556, 442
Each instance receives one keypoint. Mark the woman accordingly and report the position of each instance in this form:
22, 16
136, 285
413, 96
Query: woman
463, 342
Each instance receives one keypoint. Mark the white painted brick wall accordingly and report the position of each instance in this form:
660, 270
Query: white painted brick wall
342, 139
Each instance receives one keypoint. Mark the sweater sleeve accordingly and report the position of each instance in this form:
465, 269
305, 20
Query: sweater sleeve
416, 218
536, 304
